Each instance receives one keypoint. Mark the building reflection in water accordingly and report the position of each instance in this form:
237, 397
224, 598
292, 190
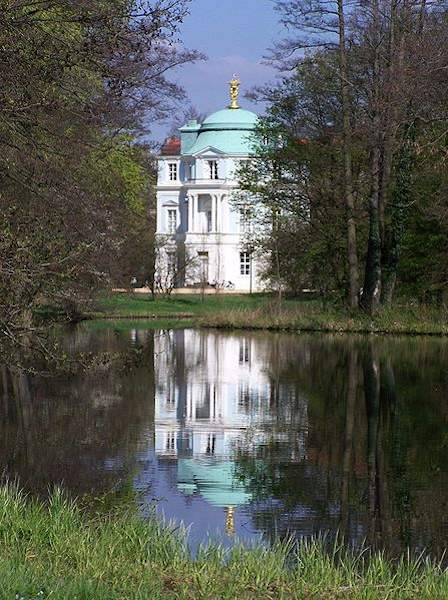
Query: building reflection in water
214, 396
260, 434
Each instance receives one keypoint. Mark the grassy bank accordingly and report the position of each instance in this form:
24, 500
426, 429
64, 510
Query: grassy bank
418, 320
58, 551
262, 311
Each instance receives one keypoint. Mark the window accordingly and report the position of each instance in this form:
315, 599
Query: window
244, 396
170, 395
244, 351
213, 169
170, 443
172, 170
209, 221
172, 220
244, 219
211, 444
244, 263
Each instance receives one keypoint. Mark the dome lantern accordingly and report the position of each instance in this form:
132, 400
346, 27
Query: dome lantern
228, 130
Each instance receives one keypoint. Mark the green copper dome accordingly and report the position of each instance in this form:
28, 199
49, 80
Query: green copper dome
230, 117
226, 130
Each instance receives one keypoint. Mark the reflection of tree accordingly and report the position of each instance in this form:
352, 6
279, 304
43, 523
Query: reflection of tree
350, 404
81, 430
374, 462
371, 370
399, 503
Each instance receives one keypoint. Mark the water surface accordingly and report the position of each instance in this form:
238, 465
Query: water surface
247, 436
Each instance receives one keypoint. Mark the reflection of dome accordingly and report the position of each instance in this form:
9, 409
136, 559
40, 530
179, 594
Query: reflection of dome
214, 480
227, 130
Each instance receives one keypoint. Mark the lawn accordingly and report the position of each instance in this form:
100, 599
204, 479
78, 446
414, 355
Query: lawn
142, 305
59, 550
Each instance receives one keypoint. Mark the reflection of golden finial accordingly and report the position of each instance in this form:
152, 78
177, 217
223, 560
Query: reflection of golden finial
234, 91
230, 520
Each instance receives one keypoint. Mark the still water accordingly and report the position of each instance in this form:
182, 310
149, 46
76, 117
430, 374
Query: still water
248, 436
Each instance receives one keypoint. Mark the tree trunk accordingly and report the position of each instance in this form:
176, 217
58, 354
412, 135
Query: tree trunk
398, 211
395, 76
352, 251
401, 192
390, 117
372, 279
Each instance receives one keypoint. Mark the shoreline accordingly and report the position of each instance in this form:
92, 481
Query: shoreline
227, 326
260, 313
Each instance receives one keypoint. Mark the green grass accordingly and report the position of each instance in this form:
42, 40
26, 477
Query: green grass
130, 305
61, 551
261, 311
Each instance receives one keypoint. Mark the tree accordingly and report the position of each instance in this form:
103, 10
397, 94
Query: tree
190, 113
373, 110
78, 83
321, 24
297, 173
174, 264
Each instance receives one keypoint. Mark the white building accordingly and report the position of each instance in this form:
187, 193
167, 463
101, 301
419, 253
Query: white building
201, 232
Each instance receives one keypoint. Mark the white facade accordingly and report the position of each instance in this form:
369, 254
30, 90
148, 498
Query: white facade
201, 232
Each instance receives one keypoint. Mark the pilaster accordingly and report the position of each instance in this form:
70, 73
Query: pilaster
214, 212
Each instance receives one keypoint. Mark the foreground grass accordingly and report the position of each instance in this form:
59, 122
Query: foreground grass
261, 311
58, 551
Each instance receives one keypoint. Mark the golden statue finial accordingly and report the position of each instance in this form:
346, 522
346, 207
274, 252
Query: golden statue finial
234, 91
230, 519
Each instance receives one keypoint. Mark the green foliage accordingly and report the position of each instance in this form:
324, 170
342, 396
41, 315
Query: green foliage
423, 263
77, 82
293, 183
124, 169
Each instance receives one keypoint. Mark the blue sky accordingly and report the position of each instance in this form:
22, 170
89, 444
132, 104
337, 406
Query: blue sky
234, 34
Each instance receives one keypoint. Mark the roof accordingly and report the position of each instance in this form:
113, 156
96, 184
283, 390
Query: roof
171, 147
233, 117
227, 142
227, 131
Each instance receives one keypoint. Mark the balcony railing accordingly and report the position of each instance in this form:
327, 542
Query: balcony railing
200, 180
206, 179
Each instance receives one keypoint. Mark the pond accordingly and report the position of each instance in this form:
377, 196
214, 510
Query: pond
249, 436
